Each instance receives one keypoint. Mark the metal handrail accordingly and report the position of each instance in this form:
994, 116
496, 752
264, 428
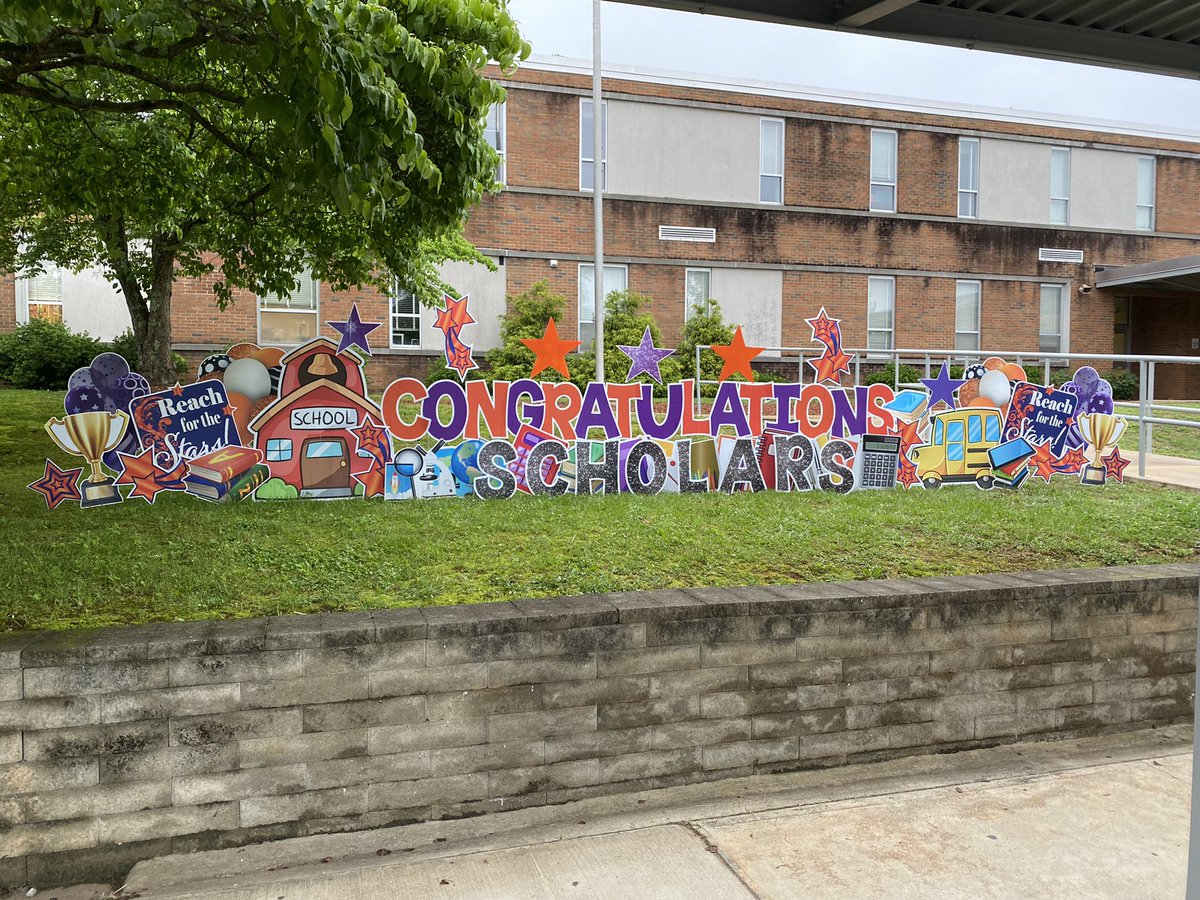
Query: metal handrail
1146, 407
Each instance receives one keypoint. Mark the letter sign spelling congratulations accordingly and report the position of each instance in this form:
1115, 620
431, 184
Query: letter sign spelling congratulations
319, 435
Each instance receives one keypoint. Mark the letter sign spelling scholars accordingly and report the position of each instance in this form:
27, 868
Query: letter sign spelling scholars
276, 425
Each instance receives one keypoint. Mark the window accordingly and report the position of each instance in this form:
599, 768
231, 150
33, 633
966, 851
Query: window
968, 178
587, 158
881, 312
289, 318
406, 319
697, 291
1060, 186
44, 295
883, 171
1052, 336
494, 134
966, 315
1145, 192
279, 449
615, 279
770, 160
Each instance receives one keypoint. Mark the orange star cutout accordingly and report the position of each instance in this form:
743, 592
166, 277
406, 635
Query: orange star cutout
907, 475
550, 350
455, 314
1042, 462
909, 434
737, 356
829, 365
147, 479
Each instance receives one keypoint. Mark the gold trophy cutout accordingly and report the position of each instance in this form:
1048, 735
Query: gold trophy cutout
1102, 431
91, 435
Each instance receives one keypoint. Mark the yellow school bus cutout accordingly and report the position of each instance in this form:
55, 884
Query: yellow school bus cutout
958, 447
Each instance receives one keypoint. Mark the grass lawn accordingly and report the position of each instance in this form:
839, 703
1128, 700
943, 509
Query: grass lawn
183, 559
1168, 440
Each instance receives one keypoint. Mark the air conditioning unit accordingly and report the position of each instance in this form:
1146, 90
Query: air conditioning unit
687, 233
1056, 255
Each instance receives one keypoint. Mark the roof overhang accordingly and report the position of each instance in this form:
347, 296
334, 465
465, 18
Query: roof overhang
1179, 274
1161, 36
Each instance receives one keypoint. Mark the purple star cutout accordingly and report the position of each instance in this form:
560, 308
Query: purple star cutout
58, 485
645, 357
943, 387
354, 331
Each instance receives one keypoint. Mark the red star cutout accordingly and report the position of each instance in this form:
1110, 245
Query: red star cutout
907, 475
830, 364
177, 390
462, 362
550, 350
737, 356
455, 315
1042, 461
1071, 462
1114, 465
228, 410
825, 329
147, 478
909, 434
57, 485
368, 432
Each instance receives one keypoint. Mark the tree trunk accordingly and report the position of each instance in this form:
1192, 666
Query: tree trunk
155, 358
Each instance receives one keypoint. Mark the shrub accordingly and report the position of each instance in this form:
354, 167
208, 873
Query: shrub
1124, 384
41, 355
126, 345
887, 375
704, 327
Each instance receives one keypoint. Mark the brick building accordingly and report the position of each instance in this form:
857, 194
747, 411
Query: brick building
919, 227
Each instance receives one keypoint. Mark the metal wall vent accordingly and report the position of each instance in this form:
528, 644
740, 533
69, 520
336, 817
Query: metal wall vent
687, 233
1052, 254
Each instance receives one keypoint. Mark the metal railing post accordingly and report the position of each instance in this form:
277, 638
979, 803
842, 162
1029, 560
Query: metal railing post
1142, 419
1150, 404
696, 402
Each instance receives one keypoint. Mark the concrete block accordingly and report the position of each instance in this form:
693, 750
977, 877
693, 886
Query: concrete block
347, 629
540, 670
578, 643
541, 723
1135, 602
733, 704
821, 671
502, 617
485, 702
82, 802
902, 712
364, 658
617, 742
615, 769
589, 692
450, 651
923, 687
749, 753
971, 658
271, 751
972, 706
1151, 708
31, 715
1048, 653
432, 680
926, 734
10, 684
310, 690
674, 735
386, 739
841, 743
94, 678
152, 823
340, 801
1016, 725
265, 666
329, 773
93, 740
166, 702
51, 775
1053, 697
699, 681
988, 680
427, 791
535, 779
816, 721
486, 757
172, 762
13, 645
1164, 622
897, 665
981, 612
188, 731
747, 653
1089, 627
11, 748
48, 837
1136, 645
293, 632
1097, 715
392, 625
650, 659
898, 620
363, 713
1179, 640
1169, 600
646, 712
192, 790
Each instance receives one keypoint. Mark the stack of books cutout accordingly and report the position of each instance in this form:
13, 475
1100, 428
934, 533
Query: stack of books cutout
1009, 462
908, 406
226, 475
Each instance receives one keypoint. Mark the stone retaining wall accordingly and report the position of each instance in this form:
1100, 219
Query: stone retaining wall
125, 743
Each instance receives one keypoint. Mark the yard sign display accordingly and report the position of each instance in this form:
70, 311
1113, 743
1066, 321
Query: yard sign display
272, 425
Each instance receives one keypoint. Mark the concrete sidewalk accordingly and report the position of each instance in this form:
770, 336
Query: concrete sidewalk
1098, 817
1173, 471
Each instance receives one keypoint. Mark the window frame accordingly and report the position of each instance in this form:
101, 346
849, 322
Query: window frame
24, 301
687, 307
587, 162
972, 192
501, 145
579, 320
1066, 198
894, 183
890, 280
261, 303
279, 452
978, 285
1152, 206
394, 295
762, 122
1064, 316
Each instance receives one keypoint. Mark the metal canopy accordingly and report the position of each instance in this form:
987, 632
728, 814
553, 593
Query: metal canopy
1179, 274
1161, 36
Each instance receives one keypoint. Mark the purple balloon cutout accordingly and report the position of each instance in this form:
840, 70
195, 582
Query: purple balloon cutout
107, 385
1095, 396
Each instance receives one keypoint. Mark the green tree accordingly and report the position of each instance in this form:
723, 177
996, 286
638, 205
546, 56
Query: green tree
704, 327
246, 139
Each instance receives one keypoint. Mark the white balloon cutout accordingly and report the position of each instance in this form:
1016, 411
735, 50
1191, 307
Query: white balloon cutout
993, 385
248, 377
